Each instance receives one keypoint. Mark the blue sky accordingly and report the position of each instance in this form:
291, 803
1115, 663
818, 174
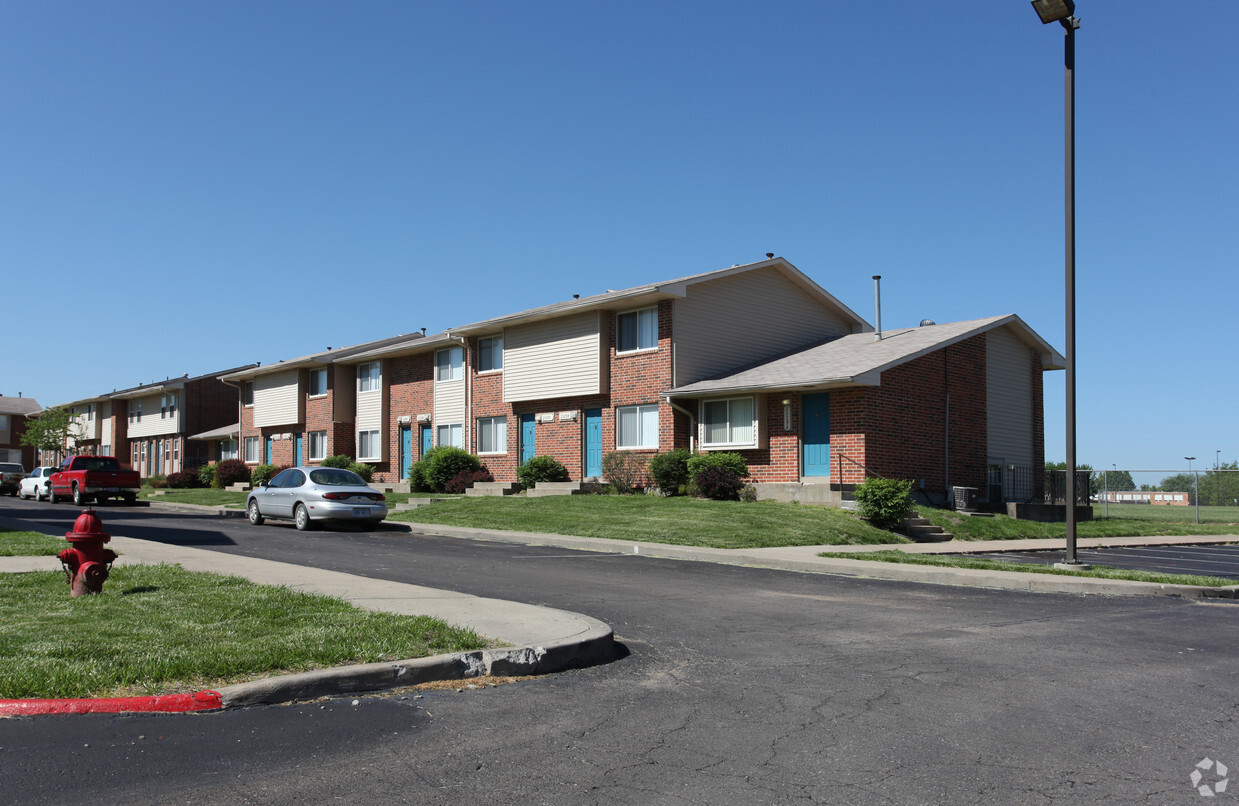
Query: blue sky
189, 187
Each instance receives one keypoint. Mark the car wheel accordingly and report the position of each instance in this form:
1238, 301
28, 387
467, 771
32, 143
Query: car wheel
78, 498
38, 494
255, 516
301, 516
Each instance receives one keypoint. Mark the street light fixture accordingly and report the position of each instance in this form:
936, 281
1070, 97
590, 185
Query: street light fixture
1062, 11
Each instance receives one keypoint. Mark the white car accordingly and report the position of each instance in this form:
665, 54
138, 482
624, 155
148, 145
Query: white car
35, 485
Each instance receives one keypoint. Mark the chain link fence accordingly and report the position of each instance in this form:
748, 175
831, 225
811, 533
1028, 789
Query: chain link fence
1198, 494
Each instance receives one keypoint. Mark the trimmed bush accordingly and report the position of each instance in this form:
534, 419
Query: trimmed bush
263, 473
622, 470
231, 471
732, 461
440, 465
670, 471
184, 480
540, 468
339, 460
884, 502
596, 488
158, 481
362, 469
718, 483
206, 476
465, 479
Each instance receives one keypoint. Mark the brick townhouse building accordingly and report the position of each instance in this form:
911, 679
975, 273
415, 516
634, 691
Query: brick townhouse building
13, 414
756, 359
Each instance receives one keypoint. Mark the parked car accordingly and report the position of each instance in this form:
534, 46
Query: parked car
93, 478
307, 495
35, 485
11, 475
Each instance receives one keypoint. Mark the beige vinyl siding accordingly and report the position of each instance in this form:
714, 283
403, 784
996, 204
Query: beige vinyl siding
105, 424
277, 399
152, 425
559, 358
728, 323
1009, 389
449, 403
370, 416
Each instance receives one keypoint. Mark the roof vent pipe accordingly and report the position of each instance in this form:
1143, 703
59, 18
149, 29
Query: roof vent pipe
877, 306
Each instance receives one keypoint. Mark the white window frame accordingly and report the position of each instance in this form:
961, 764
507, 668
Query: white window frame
369, 377
227, 449
320, 374
455, 435
492, 435
731, 441
644, 440
490, 354
370, 450
650, 315
253, 450
453, 369
317, 452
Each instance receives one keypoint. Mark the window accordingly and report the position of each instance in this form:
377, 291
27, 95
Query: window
176, 450
247, 393
135, 411
318, 445
450, 435
728, 422
368, 377
368, 448
636, 427
163, 407
493, 435
638, 330
490, 354
450, 364
251, 449
4, 422
227, 449
318, 382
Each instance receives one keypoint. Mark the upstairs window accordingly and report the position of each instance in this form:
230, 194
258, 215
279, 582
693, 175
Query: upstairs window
450, 364
318, 382
638, 330
368, 377
490, 354
247, 393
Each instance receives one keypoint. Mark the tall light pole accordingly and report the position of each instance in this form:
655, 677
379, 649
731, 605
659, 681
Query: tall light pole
1196, 495
1217, 477
1062, 11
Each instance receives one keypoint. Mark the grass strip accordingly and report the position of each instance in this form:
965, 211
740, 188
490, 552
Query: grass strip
159, 629
16, 543
1097, 571
1001, 527
679, 521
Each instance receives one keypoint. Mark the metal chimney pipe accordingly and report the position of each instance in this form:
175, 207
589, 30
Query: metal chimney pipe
877, 306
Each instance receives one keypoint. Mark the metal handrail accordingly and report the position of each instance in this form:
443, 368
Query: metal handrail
868, 472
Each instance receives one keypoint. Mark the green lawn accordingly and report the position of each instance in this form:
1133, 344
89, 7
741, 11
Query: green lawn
1148, 512
1098, 571
1000, 527
15, 543
681, 521
159, 629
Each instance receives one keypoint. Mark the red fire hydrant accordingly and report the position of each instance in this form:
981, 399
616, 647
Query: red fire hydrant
87, 562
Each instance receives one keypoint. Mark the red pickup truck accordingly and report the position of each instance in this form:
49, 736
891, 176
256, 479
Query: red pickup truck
93, 478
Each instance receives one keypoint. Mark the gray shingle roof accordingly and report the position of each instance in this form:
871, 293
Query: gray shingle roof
19, 405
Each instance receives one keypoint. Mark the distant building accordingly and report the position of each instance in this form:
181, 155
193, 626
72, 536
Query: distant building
13, 414
1145, 497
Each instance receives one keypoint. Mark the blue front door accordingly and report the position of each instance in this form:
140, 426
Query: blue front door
427, 439
529, 435
593, 442
816, 434
297, 452
268, 459
406, 450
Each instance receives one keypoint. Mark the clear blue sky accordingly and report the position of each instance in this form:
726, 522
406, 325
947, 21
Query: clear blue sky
189, 187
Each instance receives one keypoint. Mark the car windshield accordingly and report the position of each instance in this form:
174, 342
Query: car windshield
335, 477
96, 463
8, 468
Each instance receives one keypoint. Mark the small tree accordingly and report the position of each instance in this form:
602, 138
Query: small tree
670, 471
230, 471
718, 483
622, 470
339, 460
362, 469
49, 430
440, 465
884, 502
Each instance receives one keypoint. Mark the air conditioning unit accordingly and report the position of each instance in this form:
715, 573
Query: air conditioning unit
965, 498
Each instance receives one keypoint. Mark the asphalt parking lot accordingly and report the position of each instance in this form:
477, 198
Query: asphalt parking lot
1214, 561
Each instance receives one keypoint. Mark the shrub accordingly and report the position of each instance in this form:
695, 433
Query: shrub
465, 479
718, 483
596, 488
748, 494
670, 471
417, 477
339, 460
362, 469
231, 471
884, 502
263, 473
159, 481
184, 480
206, 476
540, 468
732, 461
622, 470
440, 465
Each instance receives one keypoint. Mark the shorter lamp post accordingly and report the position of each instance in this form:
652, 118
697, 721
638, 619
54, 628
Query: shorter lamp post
1195, 495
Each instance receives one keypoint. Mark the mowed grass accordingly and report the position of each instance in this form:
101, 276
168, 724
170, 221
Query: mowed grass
1097, 571
1000, 527
160, 629
15, 543
1149, 512
679, 521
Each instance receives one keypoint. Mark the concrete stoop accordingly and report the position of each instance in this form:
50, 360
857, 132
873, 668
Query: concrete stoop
240, 487
544, 488
921, 530
393, 487
493, 488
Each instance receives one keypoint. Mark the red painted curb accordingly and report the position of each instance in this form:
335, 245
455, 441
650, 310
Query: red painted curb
163, 703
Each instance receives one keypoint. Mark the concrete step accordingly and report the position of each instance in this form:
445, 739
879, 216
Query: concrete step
240, 487
921, 530
493, 488
392, 487
544, 488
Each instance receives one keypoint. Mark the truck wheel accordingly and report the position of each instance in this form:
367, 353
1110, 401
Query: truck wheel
301, 517
78, 498
130, 499
51, 495
255, 516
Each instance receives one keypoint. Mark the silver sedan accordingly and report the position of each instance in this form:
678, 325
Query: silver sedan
307, 495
